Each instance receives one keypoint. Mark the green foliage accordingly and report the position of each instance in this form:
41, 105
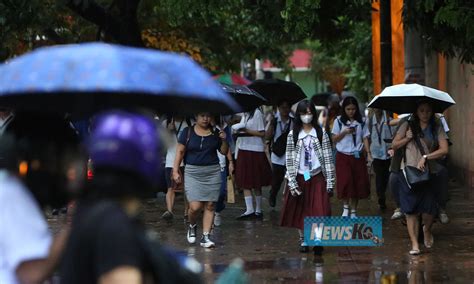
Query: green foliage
447, 26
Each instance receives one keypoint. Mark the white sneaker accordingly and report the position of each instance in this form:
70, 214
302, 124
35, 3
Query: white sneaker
206, 242
191, 236
353, 214
397, 214
217, 219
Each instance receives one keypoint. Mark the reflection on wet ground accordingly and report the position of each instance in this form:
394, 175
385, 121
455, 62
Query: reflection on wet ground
271, 252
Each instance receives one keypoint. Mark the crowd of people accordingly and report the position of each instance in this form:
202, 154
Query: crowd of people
312, 156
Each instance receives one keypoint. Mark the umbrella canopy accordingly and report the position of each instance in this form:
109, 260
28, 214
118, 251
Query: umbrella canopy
403, 98
321, 99
86, 78
276, 90
231, 79
247, 98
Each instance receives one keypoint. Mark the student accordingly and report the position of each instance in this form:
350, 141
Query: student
175, 126
277, 132
350, 133
253, 169
221, 125
380, 130
309, 170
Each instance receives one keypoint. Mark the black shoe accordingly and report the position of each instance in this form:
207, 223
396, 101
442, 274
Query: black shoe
259, 215
318, 250
246, 216
272, 201
303, 247
382, 204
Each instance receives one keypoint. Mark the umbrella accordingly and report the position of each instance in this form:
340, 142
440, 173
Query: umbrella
321, 99
231, 79
247, 98
275, 91
86, 78
403, 98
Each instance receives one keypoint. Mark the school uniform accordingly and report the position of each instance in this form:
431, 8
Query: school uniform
380, 130
253, 169
278, 162
310, 174
351, 163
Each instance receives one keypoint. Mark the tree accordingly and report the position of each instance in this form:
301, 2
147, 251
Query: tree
447, 26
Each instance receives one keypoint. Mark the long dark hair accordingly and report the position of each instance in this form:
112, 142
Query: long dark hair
350, 101
414, 122
302, 107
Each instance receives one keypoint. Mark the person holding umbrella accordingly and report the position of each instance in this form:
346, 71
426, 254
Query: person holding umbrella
277, 132
198, 146
350, 134
425, 143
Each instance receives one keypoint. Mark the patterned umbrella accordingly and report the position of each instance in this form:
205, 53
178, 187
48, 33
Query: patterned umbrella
86, 78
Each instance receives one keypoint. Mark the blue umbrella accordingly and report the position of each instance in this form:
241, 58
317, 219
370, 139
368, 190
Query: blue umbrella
86, 78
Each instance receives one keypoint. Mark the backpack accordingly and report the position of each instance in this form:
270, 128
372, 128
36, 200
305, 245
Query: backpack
279, 146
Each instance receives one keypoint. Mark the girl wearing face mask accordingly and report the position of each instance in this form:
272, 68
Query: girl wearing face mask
309, 171
350, 134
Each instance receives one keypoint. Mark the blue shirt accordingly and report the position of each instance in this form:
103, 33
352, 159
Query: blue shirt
379, 132
200, 150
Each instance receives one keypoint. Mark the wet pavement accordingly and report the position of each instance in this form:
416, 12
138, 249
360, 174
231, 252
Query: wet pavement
271, 252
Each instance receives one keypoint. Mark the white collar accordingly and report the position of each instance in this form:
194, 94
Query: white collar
303, 134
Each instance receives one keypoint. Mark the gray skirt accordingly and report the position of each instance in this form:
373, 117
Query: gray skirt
202, 183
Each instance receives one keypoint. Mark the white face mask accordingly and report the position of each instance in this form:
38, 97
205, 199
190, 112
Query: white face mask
306, 118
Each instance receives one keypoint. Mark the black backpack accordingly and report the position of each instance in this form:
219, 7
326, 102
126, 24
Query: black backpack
279, 146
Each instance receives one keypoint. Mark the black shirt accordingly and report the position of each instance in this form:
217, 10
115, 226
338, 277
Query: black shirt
102, 238
200, 150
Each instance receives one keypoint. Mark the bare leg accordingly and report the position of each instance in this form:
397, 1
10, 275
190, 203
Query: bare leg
208, 216
427, 225
195, 208
170, 199
413, 230
186, 205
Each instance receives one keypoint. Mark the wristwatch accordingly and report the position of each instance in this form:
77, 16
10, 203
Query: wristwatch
425, 157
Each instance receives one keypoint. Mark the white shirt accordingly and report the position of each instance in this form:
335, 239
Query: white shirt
347, 145
256, 123
280, 127
222, 158
24, 233
308, 146
171, 151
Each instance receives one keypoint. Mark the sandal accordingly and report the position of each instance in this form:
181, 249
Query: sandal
414, 252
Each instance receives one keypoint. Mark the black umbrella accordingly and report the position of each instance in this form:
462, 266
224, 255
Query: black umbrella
276, 90
321, 99
247, 98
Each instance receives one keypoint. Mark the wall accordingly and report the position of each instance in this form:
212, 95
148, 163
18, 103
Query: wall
459, 81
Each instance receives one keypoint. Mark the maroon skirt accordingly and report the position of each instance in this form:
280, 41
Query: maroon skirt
313, 201
252, 170
352, 177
